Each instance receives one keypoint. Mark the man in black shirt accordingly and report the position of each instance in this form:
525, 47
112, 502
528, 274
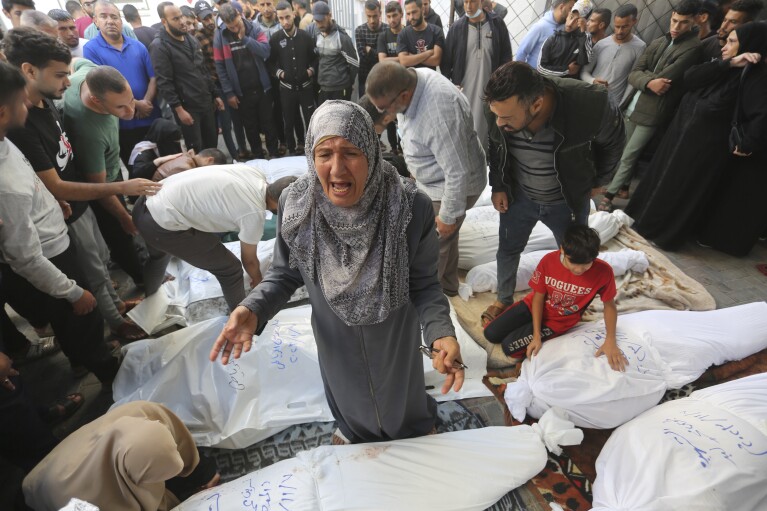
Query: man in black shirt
429, 14
387, 50
294, 64
143, 34
183, 80
420, 43
45, 65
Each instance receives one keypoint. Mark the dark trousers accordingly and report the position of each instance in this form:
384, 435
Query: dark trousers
391, 134
325, 95
294, 103
255, 112
122, 249
277, 119
128, 140
201, 249
513, 329
203, 133
81, 337
227, 122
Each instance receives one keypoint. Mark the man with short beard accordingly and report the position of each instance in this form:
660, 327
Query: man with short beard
184, 81
420, 43
67, 31
429, 14
338, 64
366, 37
741, 11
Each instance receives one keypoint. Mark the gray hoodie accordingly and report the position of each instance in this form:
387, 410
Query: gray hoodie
338, 64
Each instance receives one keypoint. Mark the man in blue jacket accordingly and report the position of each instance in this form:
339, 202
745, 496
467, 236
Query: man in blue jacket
240, 50
530, 48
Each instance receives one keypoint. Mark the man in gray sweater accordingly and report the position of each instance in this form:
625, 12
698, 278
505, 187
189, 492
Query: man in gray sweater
38, 265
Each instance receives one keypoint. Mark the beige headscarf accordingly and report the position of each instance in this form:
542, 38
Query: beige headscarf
119, 462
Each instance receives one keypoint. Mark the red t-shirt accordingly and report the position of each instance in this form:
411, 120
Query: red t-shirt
82, 23
567, 294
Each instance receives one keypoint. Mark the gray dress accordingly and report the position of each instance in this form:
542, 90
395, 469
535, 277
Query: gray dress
373, 374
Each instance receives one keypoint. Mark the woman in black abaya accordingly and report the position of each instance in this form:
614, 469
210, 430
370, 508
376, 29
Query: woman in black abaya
688, 166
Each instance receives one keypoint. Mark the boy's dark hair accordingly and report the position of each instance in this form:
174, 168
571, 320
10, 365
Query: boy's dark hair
687, 7
187, 12
274, 190
581, 244
26, 44
604, 14
282, 5
393, 6
626, 10
303, 4
752, 8
372, 5
8, 4
219, 158
72, 7
514, 79
11, 82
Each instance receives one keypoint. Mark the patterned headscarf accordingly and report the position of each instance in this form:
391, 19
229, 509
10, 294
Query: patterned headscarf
358, 253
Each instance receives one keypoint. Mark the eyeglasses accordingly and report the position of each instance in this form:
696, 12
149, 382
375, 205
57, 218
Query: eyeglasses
387, 107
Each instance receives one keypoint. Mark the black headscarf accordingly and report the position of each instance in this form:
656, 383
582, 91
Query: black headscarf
752, 37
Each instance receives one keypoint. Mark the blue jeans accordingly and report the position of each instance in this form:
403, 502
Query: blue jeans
514, 231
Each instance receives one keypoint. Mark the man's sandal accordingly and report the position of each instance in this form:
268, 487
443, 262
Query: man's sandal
492, 312
63, 408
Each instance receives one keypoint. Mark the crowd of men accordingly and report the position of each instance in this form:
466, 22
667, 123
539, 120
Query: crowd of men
568, 113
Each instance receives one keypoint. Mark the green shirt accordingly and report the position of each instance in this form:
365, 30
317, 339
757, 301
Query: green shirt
95, 137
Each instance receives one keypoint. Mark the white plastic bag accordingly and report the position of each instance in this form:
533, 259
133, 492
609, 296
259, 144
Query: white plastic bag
701, 452
665, 349
458, 471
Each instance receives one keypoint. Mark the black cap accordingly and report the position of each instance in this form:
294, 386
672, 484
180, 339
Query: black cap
202, 9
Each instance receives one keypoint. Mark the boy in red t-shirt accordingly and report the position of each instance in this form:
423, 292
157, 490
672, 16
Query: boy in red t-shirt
563, 285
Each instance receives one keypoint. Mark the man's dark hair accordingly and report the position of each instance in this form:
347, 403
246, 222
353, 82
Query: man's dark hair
581, 244
228, 13
752, 8
605, 15
514, 79
219, 158
131, 13
26, 44
72, 7
282, 5
687, 7
372, 5
416, 2
393, 6
370, 108
60, 15
103, 79
274, 190
557, 3
187, 11
8, 4
626, 10
303, 4
11, 82
161, 9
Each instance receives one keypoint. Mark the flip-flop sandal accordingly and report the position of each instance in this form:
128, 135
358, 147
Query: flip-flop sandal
129, 332
54, 413
37, 350
490, 314
605, 205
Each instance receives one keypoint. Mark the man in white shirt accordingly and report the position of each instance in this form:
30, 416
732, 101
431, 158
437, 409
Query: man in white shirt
185, 217
67, 31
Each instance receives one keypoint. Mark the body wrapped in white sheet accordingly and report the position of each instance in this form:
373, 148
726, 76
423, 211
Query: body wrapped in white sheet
707, 451
457, 471
665, 349
281, 167
275, 385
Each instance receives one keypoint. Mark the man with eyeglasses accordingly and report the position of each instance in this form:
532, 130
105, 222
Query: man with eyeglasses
92, 30
448, 164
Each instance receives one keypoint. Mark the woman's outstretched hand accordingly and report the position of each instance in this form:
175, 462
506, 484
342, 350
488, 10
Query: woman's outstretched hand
237, 335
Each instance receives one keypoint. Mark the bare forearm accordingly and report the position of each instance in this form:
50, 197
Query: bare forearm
151, 91
537, 312
410, 60
72, 191
611, 321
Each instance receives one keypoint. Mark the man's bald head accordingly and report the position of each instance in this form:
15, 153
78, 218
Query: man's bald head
388, 78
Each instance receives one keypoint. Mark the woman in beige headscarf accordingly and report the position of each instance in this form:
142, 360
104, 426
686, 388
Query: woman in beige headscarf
119, 462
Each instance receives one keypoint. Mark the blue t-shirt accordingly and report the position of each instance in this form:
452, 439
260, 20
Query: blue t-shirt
134, 64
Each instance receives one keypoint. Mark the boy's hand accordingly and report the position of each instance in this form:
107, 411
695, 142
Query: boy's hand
615, 357
533, 347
